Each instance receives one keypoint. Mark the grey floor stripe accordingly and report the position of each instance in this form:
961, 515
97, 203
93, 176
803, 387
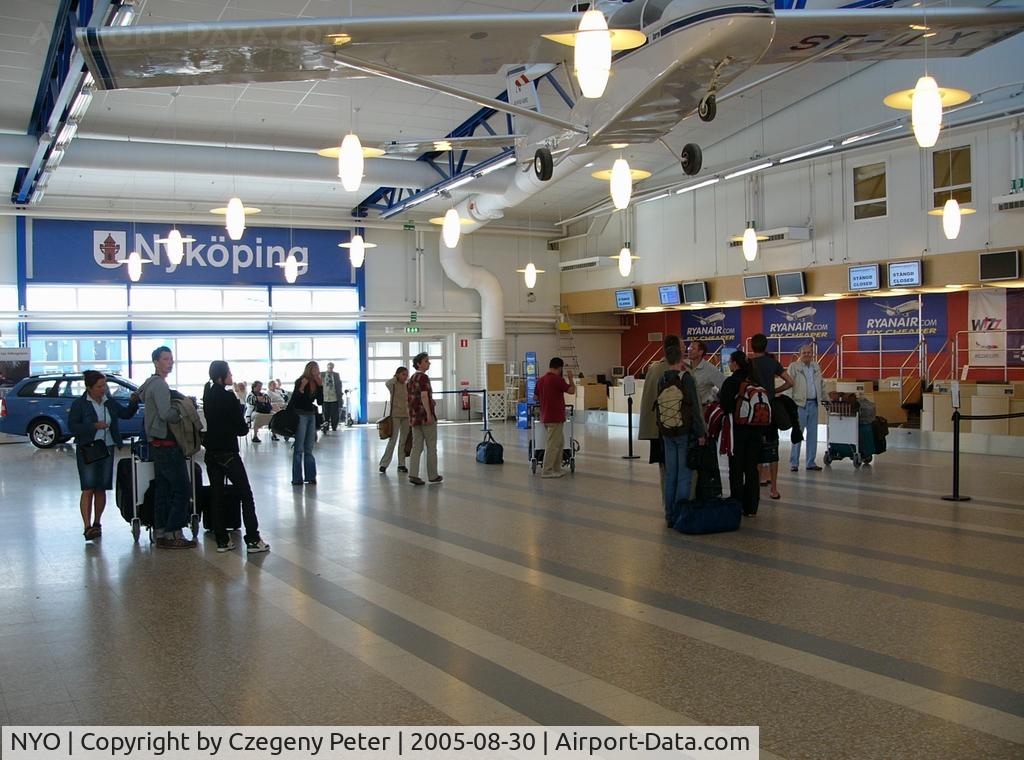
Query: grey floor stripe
973, 690
674, 539
522, 695
653, 514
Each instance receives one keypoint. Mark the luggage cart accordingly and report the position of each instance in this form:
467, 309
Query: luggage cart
143, 474
843, 432
536, 453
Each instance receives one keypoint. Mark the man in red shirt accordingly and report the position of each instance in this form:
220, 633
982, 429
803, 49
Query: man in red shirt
550, 393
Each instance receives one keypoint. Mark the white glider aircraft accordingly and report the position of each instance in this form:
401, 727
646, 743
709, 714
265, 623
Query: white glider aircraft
688, 52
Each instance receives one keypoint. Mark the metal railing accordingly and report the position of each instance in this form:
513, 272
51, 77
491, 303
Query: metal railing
940, 363
645, 357
914, 363
884, 360
962, 345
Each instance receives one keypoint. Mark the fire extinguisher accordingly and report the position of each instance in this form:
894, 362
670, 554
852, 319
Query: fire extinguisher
465, 401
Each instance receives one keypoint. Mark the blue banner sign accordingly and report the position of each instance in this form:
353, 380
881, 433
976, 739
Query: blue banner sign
799, 323
93, 252
712, 326
899, 319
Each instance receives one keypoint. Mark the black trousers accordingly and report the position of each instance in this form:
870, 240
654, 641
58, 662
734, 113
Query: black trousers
744, 483
221, 464
331, 413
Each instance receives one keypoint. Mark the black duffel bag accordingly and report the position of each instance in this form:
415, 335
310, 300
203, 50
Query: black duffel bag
489, 451
285, 423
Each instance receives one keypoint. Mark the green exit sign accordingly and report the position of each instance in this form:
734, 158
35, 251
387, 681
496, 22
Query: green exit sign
412, 316
412, 330
409, 226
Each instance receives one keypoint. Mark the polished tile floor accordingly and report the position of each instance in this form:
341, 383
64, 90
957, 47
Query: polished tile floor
859, 617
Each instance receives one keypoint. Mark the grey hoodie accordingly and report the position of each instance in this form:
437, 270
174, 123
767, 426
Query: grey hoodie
156, 395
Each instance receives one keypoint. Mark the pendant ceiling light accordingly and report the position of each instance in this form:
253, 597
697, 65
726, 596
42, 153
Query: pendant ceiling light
451, 229
350, 163
175, 245
291, 269
235, 218
357, 250
621, 183
625, 261
593, 54
926, 112
134, 266
750, 243
951, 219
530, 274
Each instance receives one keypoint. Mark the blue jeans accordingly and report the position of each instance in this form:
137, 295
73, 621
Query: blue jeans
808, 418
305, 438
172, 494
677, 475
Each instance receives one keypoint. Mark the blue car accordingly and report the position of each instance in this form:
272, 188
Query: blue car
38, 407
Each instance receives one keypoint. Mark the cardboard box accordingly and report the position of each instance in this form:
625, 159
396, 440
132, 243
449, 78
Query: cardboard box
988, 405
1016, 426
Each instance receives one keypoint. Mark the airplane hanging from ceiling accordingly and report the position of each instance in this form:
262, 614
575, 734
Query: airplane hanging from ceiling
691, 50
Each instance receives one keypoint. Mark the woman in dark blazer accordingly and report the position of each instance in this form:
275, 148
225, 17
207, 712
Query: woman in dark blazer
94, 417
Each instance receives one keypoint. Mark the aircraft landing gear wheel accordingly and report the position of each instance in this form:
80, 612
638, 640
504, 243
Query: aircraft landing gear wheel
691, 159
543, 164
707, 108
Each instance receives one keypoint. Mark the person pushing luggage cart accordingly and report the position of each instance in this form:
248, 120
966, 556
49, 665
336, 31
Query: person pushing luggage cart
550, 411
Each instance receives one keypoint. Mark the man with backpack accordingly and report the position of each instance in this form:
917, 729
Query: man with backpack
749, 415
550, 395
678, 414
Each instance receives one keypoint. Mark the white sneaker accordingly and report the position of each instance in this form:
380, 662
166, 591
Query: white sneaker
229, 546
257, 546
559, 474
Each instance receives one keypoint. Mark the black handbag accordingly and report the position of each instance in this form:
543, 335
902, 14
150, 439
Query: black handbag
489, 451
94, 451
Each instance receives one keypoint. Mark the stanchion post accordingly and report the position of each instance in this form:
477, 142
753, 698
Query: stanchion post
955, 496
485, 411
629, 427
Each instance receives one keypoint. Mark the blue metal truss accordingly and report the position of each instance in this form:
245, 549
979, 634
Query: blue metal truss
60, 82
451, 165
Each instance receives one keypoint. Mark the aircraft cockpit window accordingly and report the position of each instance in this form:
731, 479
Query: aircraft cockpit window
653, 11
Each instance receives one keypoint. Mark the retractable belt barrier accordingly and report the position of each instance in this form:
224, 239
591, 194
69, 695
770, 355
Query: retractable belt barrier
469, 412
955, 496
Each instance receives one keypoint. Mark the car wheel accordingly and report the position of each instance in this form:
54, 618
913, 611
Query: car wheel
44, 434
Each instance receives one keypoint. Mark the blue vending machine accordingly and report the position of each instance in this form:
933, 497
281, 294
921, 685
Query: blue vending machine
522, 409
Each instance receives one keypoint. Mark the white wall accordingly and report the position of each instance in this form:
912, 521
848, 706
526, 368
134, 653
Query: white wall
8, 250
684, 237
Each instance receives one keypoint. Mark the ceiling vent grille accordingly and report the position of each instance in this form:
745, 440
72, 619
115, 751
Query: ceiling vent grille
579, 265
779, 236
1012, 202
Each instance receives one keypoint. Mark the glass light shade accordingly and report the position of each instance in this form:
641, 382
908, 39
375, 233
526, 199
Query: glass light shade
926, 112
291, 269
625, 262
621, 183
951, 219
235, 219
350, 163
451, 230
134, 266
593, 54
175, 246
530, 275
357, 251
749, 243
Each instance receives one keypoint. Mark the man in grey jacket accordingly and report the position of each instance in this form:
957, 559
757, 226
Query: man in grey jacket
647, 429
170, 508
808, 391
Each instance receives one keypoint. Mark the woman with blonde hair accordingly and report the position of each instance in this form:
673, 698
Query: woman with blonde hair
309, 390
400, 429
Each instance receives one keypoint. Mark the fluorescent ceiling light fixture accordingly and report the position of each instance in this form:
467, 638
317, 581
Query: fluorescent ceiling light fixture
422, 199
618, 146
806, 153
125, 14
460, 182
66, 133
869, 135
500, 165
749, 170
699, 185
80, 103
655, 198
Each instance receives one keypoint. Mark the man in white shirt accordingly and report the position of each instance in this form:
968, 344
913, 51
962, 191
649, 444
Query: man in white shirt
706, 375
808, 391
332, 397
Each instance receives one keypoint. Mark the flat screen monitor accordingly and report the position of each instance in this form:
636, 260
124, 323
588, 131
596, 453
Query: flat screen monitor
618, 371
695, 292
668, 295
999, 265
864, 277
789, 284
905, 274
625, 299
756, 286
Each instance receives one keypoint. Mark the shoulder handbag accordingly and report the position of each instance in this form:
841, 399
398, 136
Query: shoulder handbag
94, 451
386, 425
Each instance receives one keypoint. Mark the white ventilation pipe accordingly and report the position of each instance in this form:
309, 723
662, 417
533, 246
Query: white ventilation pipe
492, 298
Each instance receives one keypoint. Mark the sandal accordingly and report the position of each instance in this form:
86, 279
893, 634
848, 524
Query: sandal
91, 533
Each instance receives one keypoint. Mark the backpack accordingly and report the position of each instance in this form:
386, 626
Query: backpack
752, 406
672, 408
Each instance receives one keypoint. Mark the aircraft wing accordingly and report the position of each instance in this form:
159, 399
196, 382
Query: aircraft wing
415, 147
295, 50
886, 33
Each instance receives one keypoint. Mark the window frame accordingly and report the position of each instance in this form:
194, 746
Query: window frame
949, 190
884, 199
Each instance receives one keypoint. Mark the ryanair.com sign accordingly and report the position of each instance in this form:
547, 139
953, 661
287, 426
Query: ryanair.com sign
72, 251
